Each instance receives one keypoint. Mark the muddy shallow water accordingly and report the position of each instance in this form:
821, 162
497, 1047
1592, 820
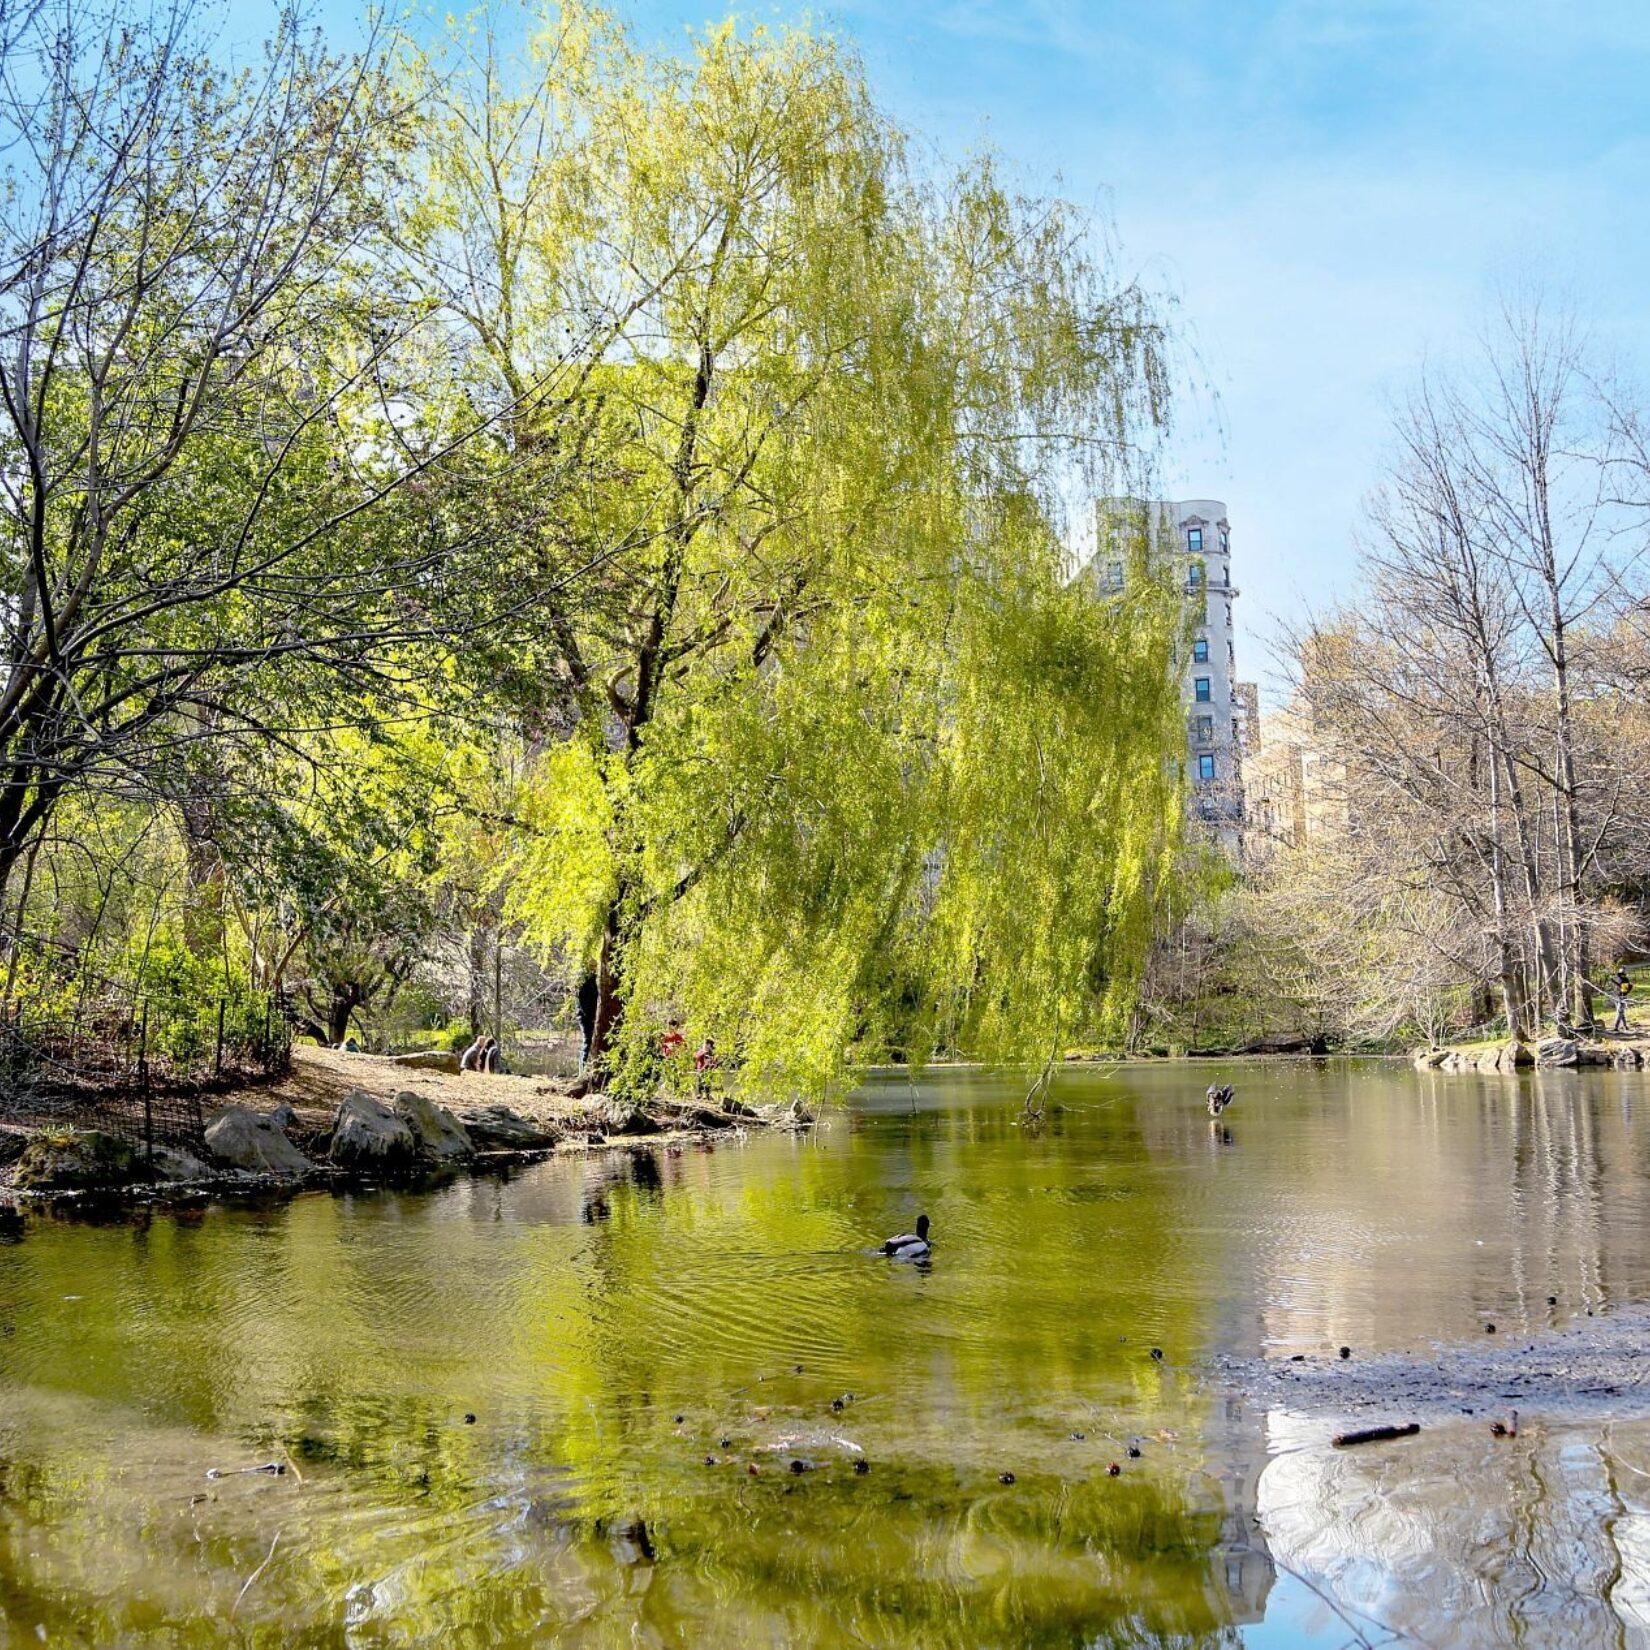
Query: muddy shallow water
633, 1334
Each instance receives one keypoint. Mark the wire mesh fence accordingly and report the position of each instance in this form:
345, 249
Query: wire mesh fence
84, 1049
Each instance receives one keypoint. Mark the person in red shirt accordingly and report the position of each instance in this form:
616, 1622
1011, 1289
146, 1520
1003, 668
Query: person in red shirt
672, 1041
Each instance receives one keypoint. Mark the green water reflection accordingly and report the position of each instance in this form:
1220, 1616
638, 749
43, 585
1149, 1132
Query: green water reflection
633, 1333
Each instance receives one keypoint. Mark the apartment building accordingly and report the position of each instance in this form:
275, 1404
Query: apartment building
1221, 711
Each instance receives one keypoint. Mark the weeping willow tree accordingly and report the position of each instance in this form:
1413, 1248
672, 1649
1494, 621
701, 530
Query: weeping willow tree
835, 757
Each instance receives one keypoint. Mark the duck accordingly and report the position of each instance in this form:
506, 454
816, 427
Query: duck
910, 1245
1221, 1095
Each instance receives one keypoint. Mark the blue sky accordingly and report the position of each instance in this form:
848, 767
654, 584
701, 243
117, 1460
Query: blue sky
1334, 190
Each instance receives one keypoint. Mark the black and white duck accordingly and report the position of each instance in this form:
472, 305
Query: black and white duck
910, 1245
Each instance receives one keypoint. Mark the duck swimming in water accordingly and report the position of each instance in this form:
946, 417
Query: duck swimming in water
910, 1245
1221, 1095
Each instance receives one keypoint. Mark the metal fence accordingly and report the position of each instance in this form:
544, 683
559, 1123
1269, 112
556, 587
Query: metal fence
86, 1050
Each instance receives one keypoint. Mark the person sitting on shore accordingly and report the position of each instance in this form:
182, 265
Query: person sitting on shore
471, 1058
495, 1058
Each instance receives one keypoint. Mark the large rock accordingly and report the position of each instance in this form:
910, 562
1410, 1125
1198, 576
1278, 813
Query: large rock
429, 1059
1505, 1058
1429, 1059
497, 1128
436, 1132
616, 1119
244, 1139
366, 1134
1557, 1051
171, 1166
73, 1160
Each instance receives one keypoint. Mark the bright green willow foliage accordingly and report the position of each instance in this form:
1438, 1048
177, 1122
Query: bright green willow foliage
852, 765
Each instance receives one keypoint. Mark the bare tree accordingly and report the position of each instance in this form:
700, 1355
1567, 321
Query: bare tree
203, 404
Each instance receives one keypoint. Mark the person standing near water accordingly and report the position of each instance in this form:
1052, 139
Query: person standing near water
1624, 989
703, 1061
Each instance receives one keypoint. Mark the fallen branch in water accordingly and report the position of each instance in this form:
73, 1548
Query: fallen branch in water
246, 1586
1375, 1435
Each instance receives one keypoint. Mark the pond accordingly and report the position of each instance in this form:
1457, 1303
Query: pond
563, 1409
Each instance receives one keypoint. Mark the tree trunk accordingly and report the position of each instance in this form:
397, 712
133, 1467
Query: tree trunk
1567, 822
609, 996
1511, 996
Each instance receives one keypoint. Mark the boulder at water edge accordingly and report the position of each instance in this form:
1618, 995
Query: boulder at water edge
615, 1118
73, 1160
1505, 1058
436, 1131
497, 1128
366, 1134
1557, 1051
173, 1167
245, 1140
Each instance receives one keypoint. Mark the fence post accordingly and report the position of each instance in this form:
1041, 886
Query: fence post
217, 1059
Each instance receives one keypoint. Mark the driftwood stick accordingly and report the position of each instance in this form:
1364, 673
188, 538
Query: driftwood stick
1375, 1435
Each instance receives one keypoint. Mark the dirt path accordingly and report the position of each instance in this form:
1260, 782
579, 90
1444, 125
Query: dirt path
320, 1077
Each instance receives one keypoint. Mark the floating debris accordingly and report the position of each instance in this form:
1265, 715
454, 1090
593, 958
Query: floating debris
273, 1468
1005, 1478
862, 1466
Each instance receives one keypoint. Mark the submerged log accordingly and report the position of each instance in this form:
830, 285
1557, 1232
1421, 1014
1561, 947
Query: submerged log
1375, 1435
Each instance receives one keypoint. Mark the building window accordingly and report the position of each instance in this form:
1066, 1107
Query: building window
1231, 651
1200, 650
1200, 690
1114, 575
1225, 541
1237, 732
1194, 576
1205, 767
1205, 733
1194, 539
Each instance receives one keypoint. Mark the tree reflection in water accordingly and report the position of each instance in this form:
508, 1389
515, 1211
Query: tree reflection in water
613, 1323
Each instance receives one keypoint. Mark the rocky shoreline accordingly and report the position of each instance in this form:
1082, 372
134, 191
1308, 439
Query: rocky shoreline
342, 1120
1550, 1054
